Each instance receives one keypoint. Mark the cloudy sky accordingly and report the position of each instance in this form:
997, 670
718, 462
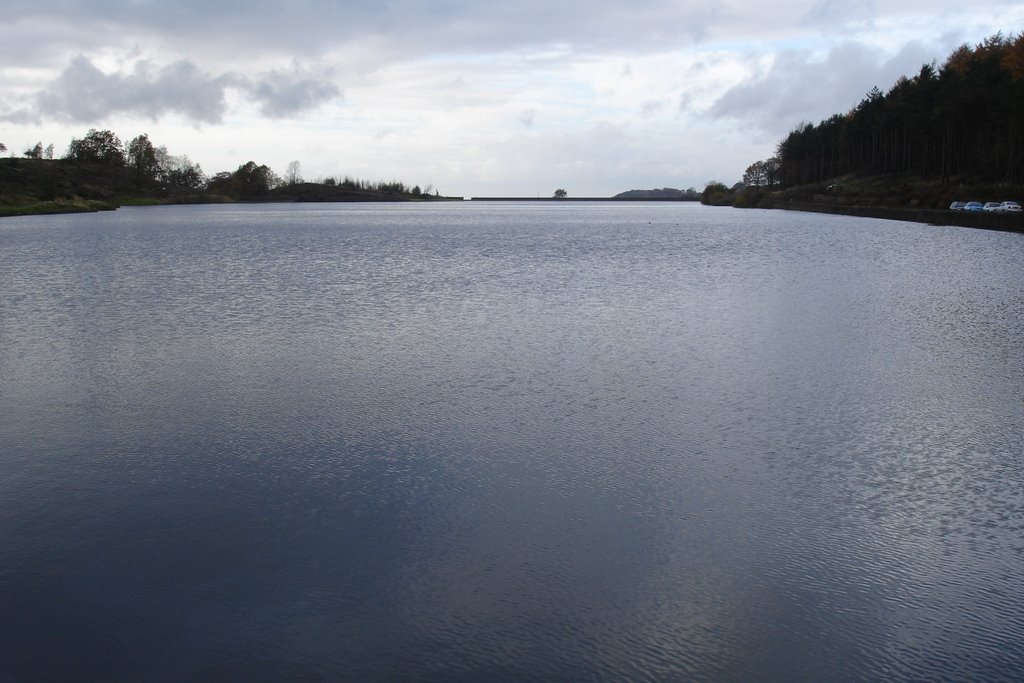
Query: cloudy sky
472, 97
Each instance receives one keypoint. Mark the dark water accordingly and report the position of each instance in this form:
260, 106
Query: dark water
509, 442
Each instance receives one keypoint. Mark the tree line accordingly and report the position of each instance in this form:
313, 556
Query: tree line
153, 169
963, 121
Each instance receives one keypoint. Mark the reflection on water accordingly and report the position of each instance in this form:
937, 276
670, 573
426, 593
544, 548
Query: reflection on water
647, 441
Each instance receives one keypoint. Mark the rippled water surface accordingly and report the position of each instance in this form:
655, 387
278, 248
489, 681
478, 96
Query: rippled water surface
509, 442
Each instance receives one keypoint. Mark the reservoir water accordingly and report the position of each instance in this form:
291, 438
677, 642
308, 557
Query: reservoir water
509, 442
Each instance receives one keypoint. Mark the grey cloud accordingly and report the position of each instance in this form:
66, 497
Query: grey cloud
19, 117
527, 117
798, 88
282, 94
686, 100
369, 33
651, 107
401, 28
832, 12
85, 94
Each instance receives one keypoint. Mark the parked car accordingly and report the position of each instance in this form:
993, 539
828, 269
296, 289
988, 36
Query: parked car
1010, 206
974, 206
991, 206
957, 206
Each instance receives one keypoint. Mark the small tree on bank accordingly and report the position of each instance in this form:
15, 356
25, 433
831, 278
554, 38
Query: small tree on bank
763, 173
250, 180
560, 194
715, 193
293, 175
142, 158
98, 145
178, 173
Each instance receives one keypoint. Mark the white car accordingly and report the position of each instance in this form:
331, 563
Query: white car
1010, 206
992, 206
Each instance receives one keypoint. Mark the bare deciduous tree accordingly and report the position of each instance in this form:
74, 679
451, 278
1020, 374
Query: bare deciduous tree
293, 176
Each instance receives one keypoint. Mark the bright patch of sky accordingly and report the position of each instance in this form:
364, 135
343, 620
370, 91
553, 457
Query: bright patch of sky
477, 98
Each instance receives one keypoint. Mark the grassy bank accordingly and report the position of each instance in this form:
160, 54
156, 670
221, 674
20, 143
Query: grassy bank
891, 197
27, 206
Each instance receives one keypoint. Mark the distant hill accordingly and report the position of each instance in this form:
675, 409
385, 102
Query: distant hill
665, 193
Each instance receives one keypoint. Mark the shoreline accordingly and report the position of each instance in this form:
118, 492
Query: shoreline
49, 208
1003, 222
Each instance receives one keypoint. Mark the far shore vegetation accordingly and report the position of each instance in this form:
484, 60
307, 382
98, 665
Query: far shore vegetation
100, 172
